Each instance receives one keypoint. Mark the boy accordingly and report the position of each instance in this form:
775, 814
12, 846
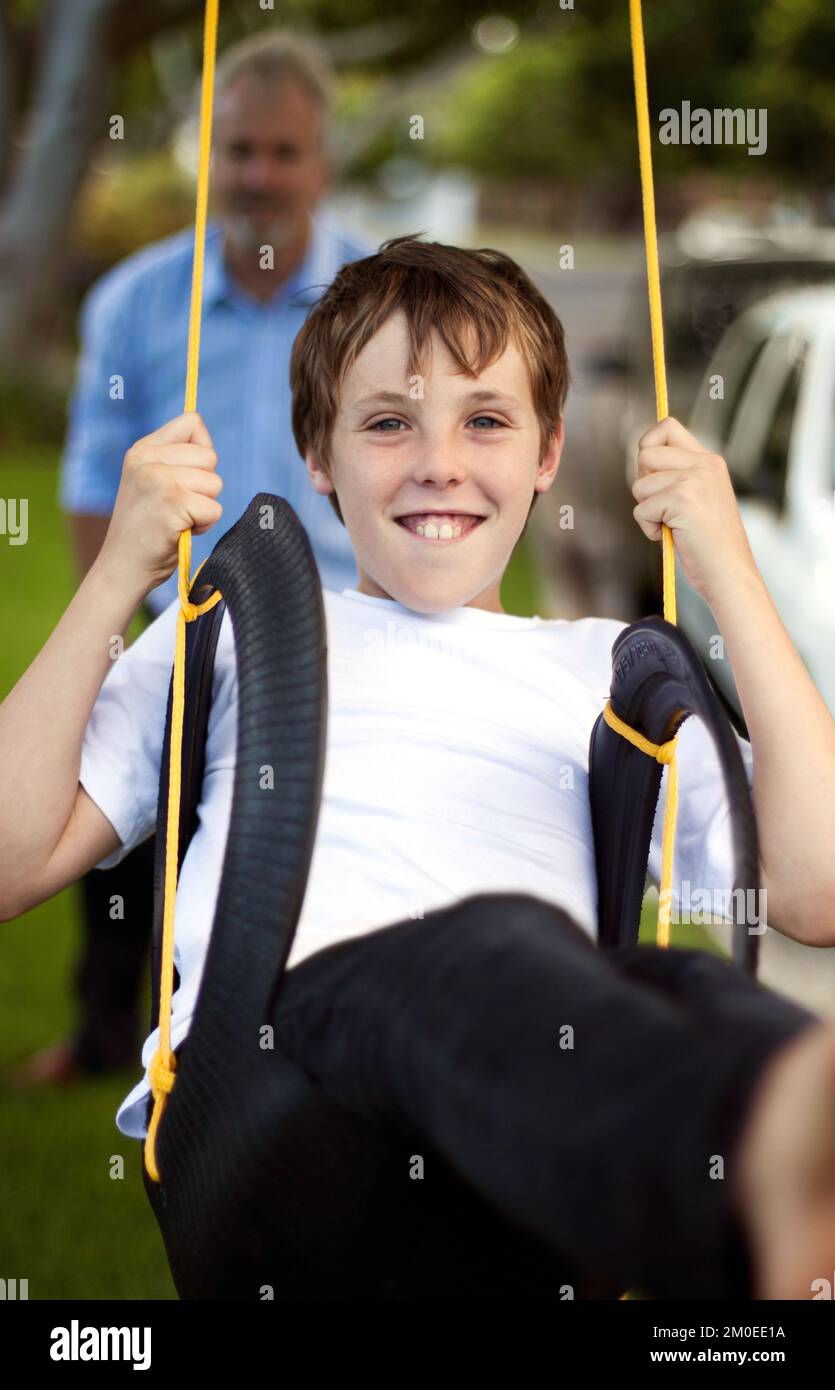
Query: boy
446, 932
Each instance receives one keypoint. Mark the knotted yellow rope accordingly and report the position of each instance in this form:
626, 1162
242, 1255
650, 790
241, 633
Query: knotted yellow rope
163, 1064
639, 68
662, 752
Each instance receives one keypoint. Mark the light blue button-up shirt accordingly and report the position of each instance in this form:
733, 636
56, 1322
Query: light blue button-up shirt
131, 379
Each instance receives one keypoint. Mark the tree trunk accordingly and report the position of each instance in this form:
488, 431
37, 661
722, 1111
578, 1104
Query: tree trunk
77, 44
66, 117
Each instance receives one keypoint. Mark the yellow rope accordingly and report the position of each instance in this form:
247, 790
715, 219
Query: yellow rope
662, 752
163, 1064
639, 67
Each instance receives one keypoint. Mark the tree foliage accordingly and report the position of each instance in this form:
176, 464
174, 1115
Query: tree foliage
562, 103
557, 103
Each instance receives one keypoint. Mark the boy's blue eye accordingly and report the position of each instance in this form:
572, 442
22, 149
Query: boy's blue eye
392, 420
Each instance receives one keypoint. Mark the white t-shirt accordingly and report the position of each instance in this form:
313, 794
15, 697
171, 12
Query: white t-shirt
456, 763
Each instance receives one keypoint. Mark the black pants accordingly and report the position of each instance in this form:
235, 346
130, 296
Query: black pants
596, 1098
113, 961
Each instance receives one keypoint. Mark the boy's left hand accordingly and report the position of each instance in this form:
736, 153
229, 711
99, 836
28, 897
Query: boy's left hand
689, 489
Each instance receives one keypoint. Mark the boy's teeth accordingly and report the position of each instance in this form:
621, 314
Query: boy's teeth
438, 528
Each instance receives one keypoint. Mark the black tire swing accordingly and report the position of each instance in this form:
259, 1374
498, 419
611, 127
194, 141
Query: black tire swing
269, 1187
263, 1185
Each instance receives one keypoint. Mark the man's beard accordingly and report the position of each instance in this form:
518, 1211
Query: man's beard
249, 236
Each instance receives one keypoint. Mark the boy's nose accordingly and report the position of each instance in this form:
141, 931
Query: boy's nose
440, 465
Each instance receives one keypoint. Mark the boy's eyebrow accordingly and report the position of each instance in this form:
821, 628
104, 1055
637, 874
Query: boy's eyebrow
476, 397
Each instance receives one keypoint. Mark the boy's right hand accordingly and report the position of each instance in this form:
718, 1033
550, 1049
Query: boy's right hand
168, 485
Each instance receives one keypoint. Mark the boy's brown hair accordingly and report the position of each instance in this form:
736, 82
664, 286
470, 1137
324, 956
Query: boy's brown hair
438, 287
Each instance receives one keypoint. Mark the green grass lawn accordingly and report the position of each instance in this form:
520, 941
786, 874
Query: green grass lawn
67, 1223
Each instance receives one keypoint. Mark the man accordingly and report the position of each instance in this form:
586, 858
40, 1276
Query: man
269, 255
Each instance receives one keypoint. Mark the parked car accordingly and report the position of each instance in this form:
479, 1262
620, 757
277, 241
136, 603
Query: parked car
774, 424
707, 282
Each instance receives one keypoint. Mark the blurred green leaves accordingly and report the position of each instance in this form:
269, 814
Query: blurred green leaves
561, 102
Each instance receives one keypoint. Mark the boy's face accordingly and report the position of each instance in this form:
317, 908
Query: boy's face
431, 446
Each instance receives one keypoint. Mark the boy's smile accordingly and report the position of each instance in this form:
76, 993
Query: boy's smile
442, 528
435, 474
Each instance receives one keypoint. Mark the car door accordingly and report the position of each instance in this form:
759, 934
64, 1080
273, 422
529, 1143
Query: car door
754, 426
809, 538
764, 460
781, 456
713, 421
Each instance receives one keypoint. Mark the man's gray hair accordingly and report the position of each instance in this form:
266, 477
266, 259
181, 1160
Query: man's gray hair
277, 57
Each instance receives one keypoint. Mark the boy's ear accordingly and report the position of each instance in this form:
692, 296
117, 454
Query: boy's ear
318, 477
547, 470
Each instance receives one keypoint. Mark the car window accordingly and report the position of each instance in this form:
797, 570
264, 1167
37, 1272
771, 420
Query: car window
737, 377
768, 480
701, 299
